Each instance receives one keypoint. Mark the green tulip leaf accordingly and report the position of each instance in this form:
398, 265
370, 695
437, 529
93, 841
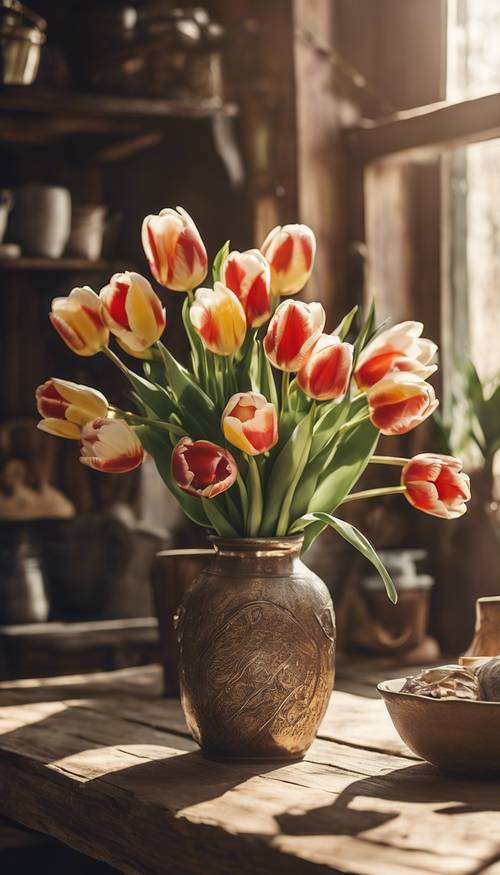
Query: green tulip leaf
292, 457
343, 327
159, 448
356, 538
219, 259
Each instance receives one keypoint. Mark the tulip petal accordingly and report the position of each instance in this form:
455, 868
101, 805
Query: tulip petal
60, 428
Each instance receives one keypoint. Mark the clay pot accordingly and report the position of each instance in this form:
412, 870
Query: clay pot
486, 641
87, 231
41, 220
466, 552
257, 639
172, 574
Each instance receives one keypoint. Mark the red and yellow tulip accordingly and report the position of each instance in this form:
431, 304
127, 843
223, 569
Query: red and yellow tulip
292, 333
400, 348
174, 249
400, 402
219, 319
437, 485
325, 375
249, 422
248, 275
66, 407
132, 311
203, 468
110, 446
78, 319
290, 251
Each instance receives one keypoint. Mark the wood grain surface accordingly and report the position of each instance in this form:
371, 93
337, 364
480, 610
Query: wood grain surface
104, 764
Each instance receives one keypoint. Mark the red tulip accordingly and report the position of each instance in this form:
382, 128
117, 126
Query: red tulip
203, 468
290, 251
399, 348
326, 373
248, 275
400, 402
66, 407
133, 311
78, 319
249, 422
437, 485
175, 250
110, 445
292, 332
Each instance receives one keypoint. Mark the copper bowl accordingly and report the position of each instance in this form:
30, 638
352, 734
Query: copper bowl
458, 736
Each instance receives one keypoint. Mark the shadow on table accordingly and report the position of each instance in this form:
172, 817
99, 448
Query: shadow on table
420, 783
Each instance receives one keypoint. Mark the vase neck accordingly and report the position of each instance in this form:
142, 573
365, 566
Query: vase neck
258, 548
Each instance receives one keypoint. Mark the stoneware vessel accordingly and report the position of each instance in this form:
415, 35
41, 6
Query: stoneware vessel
172, 573
460, 736
257, 640
41, 219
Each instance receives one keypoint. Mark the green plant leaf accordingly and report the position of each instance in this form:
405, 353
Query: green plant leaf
153, 396
219, 258
267, 383
196, 410
350, 460
160, 449
366, 333
196, 345
217, 519
356, 538
286, 463
344, 326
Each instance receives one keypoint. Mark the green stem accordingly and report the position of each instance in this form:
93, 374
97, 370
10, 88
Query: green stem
254, 516
284, 517
243, 495
389, 460
353, 423
190, 295
285, 385
155, 423
374, 493
116, 361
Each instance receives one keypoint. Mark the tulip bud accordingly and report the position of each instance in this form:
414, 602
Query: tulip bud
66, 407
110, 446
437, 485
290, 251
326, 373
219, 319
400, 402
292, 332
249, 422
203, 468
175, 250
78, 319
248, 275
132, 311
399, 348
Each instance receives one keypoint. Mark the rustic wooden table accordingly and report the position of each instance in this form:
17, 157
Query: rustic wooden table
104, 764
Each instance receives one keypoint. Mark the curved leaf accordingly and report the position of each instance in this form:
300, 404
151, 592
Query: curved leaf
356, 538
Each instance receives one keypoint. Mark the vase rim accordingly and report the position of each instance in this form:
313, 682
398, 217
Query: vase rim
258, 546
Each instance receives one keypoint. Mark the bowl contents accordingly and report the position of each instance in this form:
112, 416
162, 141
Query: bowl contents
488, 675
445, 682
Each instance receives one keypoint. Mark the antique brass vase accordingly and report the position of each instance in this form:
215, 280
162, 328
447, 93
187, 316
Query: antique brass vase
257, 642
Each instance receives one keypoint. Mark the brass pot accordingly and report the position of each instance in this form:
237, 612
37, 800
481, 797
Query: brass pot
257, 641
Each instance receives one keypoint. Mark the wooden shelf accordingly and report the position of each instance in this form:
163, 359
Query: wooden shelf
26, 262
32, 115
435, 127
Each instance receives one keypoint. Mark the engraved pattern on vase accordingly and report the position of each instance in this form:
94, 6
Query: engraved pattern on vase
256, 666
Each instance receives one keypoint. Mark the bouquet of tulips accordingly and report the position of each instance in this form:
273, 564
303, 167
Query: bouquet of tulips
243, 453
